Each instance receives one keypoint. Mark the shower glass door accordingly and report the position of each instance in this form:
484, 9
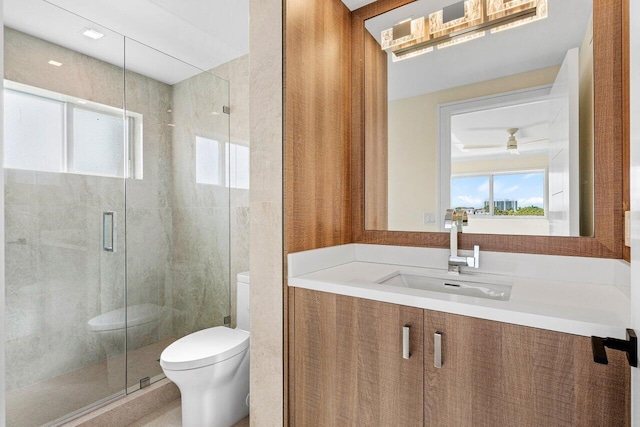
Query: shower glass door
177, 205
65, 163
117, 199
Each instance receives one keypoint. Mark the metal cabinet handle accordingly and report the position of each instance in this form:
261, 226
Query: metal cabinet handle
437, 349
405, 342
109, 231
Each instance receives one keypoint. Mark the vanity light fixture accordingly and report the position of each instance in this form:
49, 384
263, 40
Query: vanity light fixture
456, 17
412, 54
462, 39
459, 23
403, 32
542, 12
56, 63
92, 34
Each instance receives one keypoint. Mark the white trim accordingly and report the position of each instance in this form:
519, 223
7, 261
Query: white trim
444, 113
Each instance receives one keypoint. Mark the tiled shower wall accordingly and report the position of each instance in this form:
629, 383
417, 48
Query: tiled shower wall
177, 232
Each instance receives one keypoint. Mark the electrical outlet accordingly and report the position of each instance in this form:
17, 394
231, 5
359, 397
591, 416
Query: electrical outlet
429, 218
627, 228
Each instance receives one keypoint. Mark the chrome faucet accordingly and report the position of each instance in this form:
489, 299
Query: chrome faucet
454, 221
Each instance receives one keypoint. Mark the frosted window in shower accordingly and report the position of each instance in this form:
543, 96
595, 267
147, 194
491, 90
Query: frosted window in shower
53, 132
98, 143
209, 161
34, 132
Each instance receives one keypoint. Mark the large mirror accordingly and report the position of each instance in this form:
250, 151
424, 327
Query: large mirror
482, 106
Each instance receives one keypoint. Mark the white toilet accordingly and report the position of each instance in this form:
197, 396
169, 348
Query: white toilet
211, 369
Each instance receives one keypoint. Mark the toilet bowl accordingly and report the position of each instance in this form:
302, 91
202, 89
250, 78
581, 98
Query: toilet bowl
211, 369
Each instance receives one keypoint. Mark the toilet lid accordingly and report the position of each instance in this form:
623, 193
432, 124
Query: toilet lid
204, 348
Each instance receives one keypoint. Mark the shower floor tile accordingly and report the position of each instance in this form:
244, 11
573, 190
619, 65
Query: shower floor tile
56, 397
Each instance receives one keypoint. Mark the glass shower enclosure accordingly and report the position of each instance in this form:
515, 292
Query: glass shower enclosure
116, 165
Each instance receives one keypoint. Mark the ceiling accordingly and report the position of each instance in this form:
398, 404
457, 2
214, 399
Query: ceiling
538, 45
204, 34
489, 127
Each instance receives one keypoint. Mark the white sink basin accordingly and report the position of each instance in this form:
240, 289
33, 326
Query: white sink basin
454, 285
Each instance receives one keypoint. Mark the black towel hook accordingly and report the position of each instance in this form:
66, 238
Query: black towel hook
630, 346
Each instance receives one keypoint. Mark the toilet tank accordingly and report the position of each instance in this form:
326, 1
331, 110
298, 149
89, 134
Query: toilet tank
242, 303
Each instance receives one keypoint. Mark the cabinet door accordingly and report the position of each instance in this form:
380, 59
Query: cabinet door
348, 362
498, 374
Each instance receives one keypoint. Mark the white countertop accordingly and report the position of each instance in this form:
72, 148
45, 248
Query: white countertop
576, 307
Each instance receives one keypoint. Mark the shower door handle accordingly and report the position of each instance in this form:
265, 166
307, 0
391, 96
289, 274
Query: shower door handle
109, 231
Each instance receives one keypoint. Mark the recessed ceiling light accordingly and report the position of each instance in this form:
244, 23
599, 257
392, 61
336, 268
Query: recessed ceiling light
56, 63
92, 34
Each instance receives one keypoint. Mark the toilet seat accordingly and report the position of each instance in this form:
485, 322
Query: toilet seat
204, 348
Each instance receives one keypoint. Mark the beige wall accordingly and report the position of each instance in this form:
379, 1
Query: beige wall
267, 346
413, 134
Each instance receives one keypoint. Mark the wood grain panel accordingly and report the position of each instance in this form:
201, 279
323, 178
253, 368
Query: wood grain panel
610, 169
498, 374
349, 368
626, 118
376, 135
317, 124
317, 120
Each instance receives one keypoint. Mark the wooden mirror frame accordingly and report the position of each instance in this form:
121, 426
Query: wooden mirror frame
611, 147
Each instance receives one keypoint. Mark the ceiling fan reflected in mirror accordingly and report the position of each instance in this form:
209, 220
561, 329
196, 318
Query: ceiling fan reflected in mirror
511, 146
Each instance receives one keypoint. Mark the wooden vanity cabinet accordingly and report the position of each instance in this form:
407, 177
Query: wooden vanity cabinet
348, 362
348, 369
499, 374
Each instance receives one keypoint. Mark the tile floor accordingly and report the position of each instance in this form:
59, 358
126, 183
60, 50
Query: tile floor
169, 416
51, 399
